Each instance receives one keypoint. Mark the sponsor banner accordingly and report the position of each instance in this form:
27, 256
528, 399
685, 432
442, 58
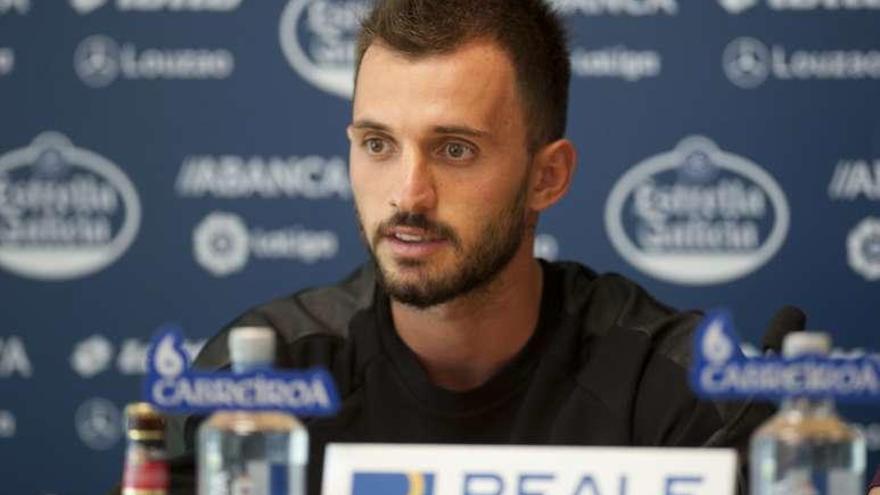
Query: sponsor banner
99, 61
223, 244
171, 385
383, 469
84, 7
741, 6
854, 180
7, 61
863, 249
697, 215
270, 177
7, 424
14, 360
65, 212
95, 354
318, 39
748, 63
15, 6
618, 62
721, 372
636, 8
98, 423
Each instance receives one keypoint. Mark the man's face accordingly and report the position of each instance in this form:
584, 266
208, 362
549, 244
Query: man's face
439, 168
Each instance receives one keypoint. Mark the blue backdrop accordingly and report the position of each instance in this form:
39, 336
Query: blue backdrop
179, 161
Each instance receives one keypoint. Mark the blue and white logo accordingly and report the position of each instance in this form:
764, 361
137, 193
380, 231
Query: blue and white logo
697, 215
738, 6
746, 62
721, 372
172, 386
98, 423
7, 61
863, 249
85, 216
392, 483
318, 38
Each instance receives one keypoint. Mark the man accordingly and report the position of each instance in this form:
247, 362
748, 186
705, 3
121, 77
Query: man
454, 332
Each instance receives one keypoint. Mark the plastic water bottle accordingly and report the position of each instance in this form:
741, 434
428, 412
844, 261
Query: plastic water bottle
252, 453
806, 449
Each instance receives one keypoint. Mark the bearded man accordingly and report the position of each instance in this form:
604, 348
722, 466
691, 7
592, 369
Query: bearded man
454, 332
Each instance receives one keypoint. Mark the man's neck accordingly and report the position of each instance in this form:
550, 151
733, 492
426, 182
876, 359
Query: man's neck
465, 342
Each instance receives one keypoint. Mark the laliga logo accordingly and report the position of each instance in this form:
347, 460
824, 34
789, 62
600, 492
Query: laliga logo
318, 39
697, 215
86, 215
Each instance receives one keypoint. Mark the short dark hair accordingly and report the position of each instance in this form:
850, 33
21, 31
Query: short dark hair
528, 30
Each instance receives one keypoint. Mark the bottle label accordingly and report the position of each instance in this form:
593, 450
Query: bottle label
819, 482
143, 474
256, 478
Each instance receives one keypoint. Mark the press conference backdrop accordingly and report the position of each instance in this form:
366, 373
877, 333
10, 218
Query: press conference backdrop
177, 161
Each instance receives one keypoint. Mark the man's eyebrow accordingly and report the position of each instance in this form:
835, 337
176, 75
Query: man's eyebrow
461, 130
370, 125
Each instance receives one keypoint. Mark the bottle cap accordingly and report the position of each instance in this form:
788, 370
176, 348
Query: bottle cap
143, 422
806, 343
252, 345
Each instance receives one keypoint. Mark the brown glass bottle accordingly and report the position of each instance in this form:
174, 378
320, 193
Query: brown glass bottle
146, 470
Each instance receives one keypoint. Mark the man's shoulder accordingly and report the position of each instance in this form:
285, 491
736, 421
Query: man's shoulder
317, 311
612, 305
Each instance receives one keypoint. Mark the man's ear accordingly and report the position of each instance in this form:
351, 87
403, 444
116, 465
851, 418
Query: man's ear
552, 172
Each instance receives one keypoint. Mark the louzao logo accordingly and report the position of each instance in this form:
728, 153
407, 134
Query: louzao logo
746, 62
99, 61
697, 215
65, 212
84, 7
98, 423
392, 483
318, 39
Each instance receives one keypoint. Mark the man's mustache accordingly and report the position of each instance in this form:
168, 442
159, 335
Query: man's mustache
419, 221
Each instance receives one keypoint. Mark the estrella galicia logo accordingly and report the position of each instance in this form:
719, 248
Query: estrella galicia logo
65, 212
318, 38
746, 62
172, 386
392, 483
697, 215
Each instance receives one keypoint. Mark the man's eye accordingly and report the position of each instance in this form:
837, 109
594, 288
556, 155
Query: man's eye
376, 146
458, 151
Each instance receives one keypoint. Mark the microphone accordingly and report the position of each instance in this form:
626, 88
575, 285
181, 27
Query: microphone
787, 320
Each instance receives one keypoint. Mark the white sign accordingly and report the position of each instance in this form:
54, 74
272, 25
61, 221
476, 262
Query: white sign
697, 215
380, 469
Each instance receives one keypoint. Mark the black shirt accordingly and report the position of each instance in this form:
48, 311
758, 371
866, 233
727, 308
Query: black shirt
606, 365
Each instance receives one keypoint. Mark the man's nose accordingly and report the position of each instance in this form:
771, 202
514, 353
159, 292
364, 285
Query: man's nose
417, 192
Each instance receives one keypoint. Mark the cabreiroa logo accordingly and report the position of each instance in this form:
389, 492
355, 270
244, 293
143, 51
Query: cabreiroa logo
318, 39
65, 212
697, 215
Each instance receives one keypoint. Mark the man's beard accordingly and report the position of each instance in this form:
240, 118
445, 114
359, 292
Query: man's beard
475, 268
